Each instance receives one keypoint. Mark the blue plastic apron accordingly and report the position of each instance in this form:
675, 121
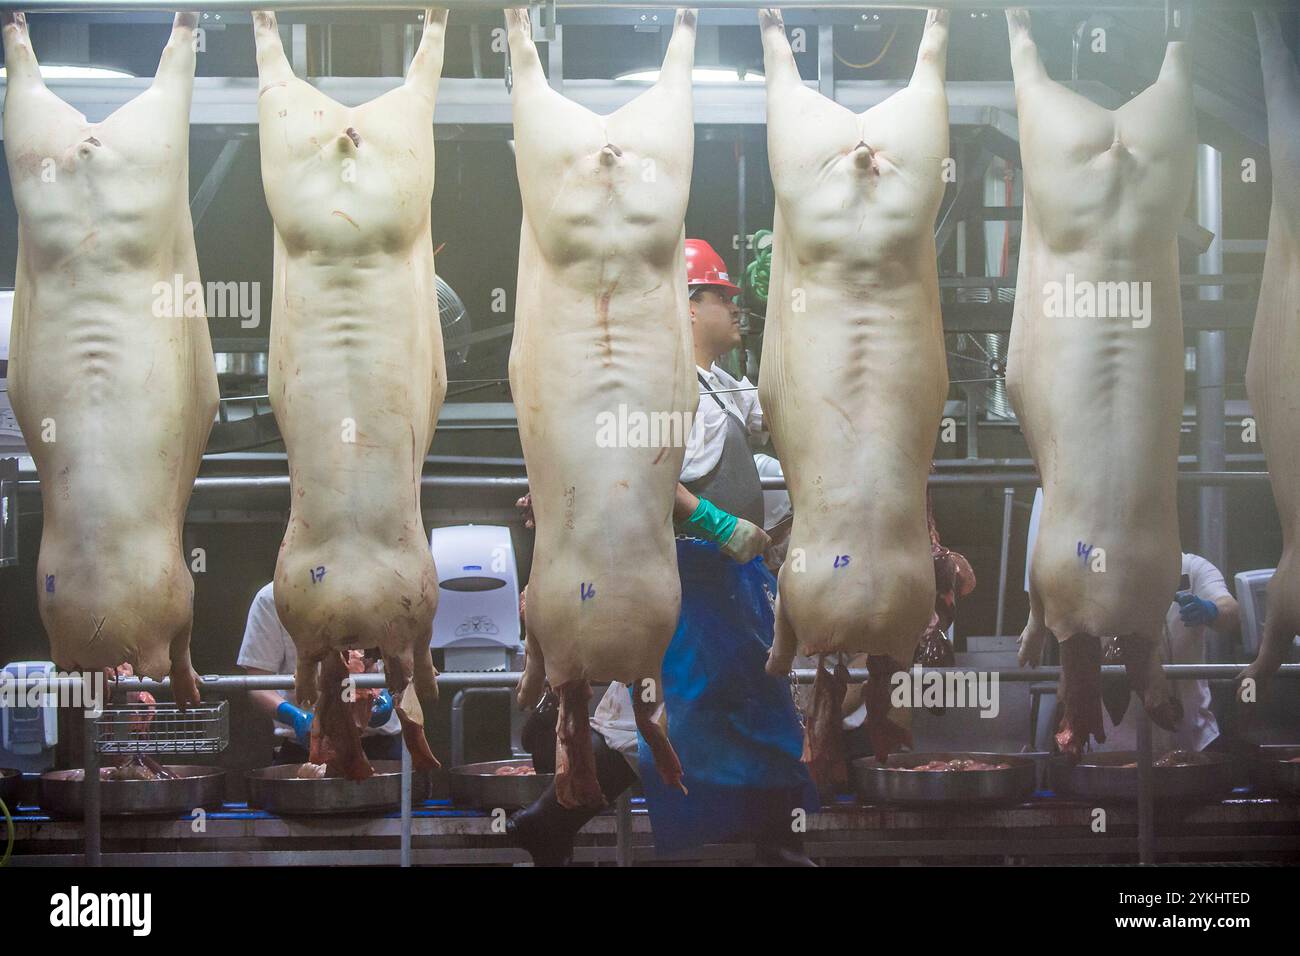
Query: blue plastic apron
733, 725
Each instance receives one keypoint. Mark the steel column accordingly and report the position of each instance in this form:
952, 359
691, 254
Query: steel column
1211, 359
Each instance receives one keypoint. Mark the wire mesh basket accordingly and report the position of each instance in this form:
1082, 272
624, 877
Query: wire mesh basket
163, 729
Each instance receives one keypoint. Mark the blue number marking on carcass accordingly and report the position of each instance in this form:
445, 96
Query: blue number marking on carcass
1083, 551
841, 560
49, 584
317, 574
586, 590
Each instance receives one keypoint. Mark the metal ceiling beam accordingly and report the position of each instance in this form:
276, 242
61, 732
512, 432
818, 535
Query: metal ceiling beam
464, 101
288, 6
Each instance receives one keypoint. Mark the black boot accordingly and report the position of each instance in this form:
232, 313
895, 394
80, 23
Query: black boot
788, 852
777, 843
547, 830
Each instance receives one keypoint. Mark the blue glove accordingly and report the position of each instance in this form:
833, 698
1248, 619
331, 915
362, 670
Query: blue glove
298, 719
382, 709
1195, 611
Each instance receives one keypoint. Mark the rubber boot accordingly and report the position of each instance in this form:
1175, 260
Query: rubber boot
777, 843
547, 830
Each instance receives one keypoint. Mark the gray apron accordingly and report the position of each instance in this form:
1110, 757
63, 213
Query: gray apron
733, 484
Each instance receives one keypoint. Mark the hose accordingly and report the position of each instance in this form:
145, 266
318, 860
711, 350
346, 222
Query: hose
868, 65
759, 272
9, 825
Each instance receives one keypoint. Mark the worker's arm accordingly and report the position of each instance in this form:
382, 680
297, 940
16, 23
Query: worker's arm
1229, 619
265, 702
1220, 613
739, 539
684, 504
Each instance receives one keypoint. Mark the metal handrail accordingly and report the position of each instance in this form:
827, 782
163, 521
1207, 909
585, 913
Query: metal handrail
512, 484
458, 680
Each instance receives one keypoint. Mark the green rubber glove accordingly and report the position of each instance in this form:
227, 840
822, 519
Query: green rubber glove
741, 540
712, 522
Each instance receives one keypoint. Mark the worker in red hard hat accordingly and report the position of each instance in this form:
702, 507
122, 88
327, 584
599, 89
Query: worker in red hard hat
734, 726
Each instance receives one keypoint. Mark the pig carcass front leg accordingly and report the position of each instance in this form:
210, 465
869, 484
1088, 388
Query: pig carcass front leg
887, 730
407, 694
1147, 677
823, 743
335, 736
652, 723
576, 786
1079, 695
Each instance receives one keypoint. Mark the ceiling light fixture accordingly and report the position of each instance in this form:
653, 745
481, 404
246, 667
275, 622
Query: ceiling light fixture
701, 74
55, 72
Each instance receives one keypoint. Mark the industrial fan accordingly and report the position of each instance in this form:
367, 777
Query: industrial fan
456, 326
977, 364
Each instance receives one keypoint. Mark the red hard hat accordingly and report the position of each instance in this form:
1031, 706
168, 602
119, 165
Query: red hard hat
704, 267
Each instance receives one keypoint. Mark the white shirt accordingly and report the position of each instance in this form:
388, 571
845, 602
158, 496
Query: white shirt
267, 646
709, 429
1181, 645
616, 722
776, 503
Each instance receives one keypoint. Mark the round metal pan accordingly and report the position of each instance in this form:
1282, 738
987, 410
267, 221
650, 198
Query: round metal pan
279, 790
1274, 771
10, 780
61, 793
478, 785
1103, 776
876, 783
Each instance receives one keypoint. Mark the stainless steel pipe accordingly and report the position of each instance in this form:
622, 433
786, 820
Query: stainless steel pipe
456, 680
992, 479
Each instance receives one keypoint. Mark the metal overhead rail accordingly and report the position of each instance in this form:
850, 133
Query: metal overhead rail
289, 6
